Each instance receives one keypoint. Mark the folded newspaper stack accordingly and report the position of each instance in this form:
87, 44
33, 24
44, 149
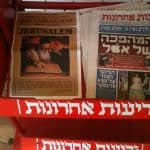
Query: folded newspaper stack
116, 51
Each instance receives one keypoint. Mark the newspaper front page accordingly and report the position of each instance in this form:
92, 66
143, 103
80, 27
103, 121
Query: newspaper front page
46, 56
85, 23
122, 69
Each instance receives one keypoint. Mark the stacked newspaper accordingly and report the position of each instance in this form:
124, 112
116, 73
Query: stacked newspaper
46, 56
116, 52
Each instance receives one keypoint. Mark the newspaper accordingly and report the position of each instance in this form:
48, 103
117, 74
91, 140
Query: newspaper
121, 51
85, 21
46, 56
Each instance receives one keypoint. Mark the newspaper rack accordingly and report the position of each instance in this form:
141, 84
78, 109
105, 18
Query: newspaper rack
71, 124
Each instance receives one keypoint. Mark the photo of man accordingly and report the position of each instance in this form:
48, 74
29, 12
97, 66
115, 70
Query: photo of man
105, 60
45, 54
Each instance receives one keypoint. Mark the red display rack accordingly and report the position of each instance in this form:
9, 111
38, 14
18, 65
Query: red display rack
79, 124
44, 144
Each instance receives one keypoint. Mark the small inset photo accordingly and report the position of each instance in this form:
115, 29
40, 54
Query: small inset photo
105, 60
147, 62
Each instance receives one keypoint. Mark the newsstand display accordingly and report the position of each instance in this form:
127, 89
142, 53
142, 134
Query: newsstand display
67, 124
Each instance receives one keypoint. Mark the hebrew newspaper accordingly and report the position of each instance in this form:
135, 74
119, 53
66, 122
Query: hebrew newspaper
85, 23
46, 56
121, 49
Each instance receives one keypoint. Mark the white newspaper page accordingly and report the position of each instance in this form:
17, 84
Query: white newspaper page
120, 64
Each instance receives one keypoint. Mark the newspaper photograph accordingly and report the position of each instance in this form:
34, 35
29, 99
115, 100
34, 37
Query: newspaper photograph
46, 56
134, 85
121, 42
